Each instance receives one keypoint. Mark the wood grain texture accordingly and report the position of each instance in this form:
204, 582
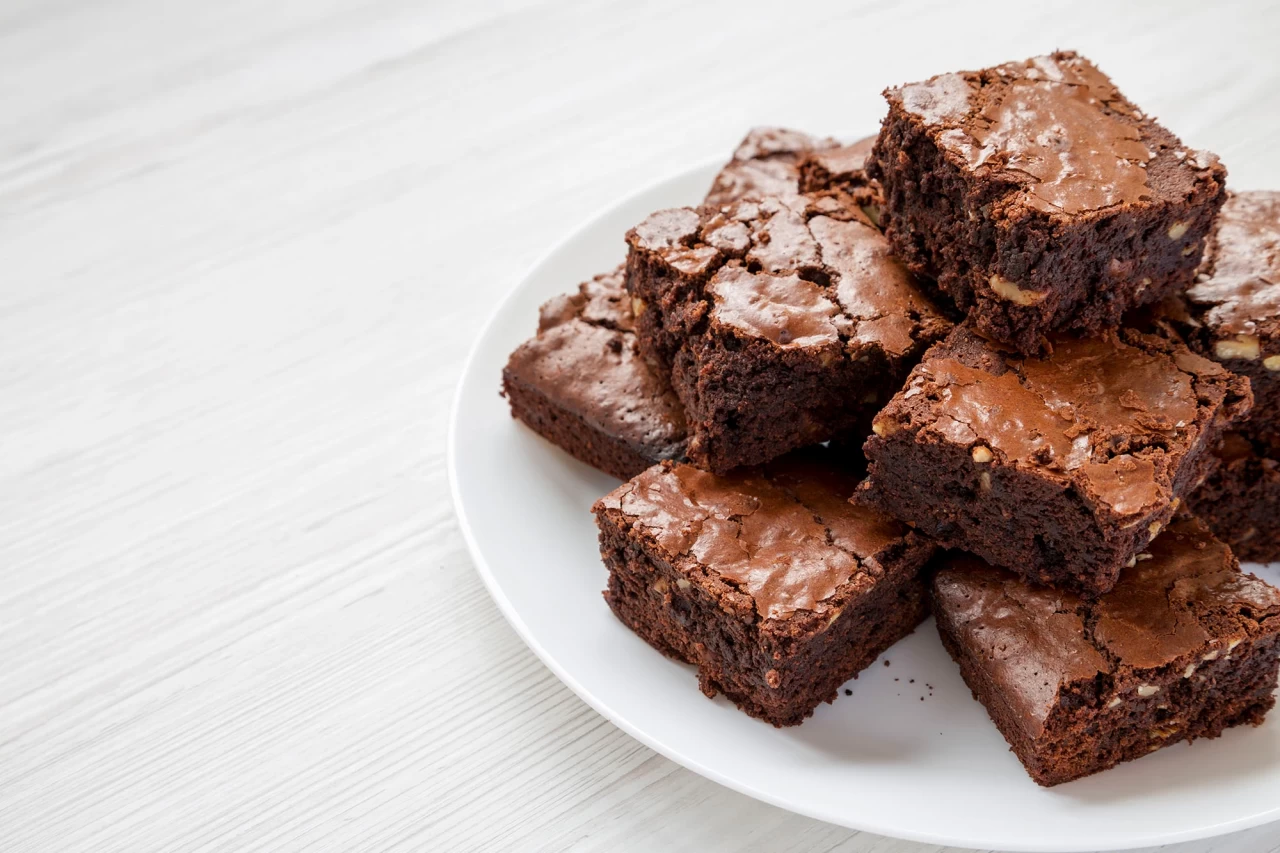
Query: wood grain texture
245, 247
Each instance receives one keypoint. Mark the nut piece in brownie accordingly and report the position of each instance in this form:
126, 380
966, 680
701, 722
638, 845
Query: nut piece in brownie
579, 384
1185, 646
1241, 499
1040, 198
582, 384
1235, 303
1060, 467
767, 580
784, 322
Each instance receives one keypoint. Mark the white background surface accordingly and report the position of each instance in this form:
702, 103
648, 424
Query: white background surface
243, 249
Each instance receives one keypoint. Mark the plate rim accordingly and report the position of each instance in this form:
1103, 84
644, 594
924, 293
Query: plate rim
513, 618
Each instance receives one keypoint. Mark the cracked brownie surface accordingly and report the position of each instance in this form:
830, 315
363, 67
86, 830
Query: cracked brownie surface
766, 579
1040, 198
1183, 647
579, 384
1060, 467
784, 322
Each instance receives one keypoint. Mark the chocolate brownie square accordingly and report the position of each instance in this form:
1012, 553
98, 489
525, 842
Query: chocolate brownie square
1185, 646
1241, 499
1060, 467
767, 580
1235, 303
784, 322
579, 384
1040, 198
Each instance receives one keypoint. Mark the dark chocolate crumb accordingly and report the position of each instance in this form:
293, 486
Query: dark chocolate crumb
848, 692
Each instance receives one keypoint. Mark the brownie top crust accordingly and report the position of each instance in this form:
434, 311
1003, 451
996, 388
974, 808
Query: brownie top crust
765, 164
784, 534
801, 272
602, 301
1186, 597
586, 350
842, 163
1099, 415
1240, 293
1054, 134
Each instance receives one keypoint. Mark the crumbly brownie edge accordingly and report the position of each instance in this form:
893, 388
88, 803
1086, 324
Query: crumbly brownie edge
1008, 517
742, 408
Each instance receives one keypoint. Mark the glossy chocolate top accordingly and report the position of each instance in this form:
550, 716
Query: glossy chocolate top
1099, 415
1187, 596
1240, 295
785, 534
1053, 129
585, 356
806, 272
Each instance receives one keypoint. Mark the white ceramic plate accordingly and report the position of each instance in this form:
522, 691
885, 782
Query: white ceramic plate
909, 754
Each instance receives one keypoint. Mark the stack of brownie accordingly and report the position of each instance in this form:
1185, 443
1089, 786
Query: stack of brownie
981, 366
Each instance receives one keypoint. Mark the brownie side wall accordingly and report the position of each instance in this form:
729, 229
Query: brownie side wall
861, 632
752, 403
922, 191
985, 692
667, 307
1195, 699
1240, 502
1027, 524
576, 435
1263, 423
650, 596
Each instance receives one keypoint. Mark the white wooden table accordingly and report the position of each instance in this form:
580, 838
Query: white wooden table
244, 247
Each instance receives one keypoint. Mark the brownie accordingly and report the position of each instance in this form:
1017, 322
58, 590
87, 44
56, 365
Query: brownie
766, 164
1240, 501
1235, 303
1040, 198
582, 384
842, 169
1185, 646
783, 322
579, 384
1059, 467
767, 580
